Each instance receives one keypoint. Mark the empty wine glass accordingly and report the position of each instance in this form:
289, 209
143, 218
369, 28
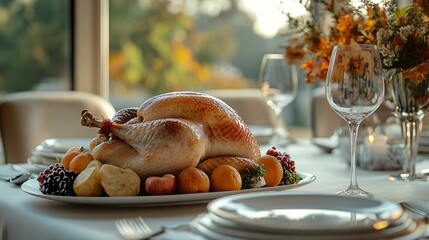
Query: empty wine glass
279, 84
354, 90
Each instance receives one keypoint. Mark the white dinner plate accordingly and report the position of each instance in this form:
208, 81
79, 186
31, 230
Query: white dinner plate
403, 223
210, 226
311, 213
32, 187
61, 145
42, 151
34, 159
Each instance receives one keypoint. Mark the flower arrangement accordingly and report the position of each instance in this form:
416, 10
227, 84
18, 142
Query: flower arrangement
353, 60
401, 35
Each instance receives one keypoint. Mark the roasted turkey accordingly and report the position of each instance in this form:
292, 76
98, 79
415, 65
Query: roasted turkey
172, 131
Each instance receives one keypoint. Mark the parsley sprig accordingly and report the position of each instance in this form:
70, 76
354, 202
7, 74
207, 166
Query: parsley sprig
253, 178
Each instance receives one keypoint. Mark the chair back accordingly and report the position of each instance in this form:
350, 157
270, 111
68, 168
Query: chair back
27, 118
324, 120
249, 105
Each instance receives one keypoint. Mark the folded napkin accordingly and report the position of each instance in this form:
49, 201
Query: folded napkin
8, 170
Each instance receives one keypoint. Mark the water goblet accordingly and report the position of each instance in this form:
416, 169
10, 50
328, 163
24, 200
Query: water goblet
279, 85
354, 90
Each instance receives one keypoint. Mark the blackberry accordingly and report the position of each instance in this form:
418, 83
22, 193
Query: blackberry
56, 180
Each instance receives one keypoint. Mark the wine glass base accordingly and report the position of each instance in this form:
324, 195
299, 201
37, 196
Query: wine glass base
356, 192
281, 142
423, 177
281, 138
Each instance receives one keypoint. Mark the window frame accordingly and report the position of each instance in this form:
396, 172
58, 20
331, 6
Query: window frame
90, 33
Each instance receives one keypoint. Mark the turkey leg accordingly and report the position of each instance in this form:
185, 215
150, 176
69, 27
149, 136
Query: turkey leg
89, 120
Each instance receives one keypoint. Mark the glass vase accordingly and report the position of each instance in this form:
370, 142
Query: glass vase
409, 101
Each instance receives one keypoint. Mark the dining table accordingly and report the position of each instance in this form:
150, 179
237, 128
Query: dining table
25, 216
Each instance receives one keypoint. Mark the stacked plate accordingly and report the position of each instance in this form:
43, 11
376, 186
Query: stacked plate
281, 215
51, 149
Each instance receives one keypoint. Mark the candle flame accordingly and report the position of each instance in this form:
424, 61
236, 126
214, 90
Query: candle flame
371, 137
380, 225
265, 89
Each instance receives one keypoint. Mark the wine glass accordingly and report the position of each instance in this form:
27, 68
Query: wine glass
354, 90
279, 84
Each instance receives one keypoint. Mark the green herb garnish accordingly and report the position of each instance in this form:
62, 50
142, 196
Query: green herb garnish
289, 178
253, 178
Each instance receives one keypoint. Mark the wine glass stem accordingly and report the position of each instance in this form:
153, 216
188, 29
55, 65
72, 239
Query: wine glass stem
277, 126
353, 128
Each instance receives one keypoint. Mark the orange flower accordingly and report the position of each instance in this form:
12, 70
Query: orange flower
294, 51
316, 70
403, 40
345, 23
315, 41
308, 65
418, 73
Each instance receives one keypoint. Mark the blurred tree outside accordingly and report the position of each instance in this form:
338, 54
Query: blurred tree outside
155, 46
159, 46
34, 45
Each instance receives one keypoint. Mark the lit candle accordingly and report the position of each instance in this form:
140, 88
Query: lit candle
378, 146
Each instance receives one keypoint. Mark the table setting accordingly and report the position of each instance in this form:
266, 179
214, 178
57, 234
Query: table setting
96, 220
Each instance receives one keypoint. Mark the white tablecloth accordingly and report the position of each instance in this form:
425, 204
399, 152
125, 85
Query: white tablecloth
23, 216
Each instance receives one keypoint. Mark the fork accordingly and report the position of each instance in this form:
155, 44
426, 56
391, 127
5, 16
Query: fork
136, 228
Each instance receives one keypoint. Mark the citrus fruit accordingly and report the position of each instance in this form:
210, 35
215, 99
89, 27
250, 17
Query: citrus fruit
193, 180
80, 161
69, 155
273, 170
225, 178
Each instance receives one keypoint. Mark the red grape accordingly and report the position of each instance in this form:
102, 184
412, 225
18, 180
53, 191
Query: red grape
287, 163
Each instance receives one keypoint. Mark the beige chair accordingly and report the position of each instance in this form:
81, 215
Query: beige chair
249, 105
324, 120
27, 118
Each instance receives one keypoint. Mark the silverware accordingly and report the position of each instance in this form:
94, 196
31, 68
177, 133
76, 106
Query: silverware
418, 207
136, 228
18, 179
326, 144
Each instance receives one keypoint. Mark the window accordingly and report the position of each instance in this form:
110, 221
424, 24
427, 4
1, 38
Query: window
155, 46
159, 46
35, 40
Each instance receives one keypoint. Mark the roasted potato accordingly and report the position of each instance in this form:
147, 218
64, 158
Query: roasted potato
88, 182
117, 181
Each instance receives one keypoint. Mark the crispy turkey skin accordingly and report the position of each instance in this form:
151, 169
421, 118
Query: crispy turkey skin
171, 132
